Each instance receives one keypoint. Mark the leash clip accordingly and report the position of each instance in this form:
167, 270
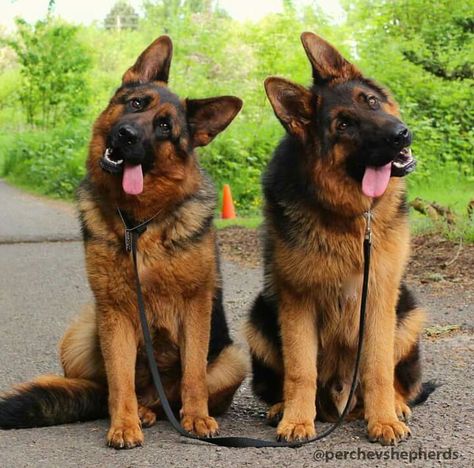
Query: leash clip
368, 225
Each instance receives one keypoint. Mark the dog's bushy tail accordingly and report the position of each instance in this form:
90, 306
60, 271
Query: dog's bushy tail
427, 388
51, 400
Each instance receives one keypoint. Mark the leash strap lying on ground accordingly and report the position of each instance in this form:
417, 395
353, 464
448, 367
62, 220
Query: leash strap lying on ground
240, 442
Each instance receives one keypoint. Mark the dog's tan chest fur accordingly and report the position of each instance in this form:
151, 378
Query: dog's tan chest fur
169, 272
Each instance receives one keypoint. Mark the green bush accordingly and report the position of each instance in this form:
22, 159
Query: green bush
423, 58
50, 162
53, 65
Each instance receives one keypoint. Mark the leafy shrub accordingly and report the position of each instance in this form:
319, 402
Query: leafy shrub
50, 162
420, 57
53, 65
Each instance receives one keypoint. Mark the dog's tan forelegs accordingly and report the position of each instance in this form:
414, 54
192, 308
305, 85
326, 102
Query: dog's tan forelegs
118, 343
299, 343
194, 348
377, 366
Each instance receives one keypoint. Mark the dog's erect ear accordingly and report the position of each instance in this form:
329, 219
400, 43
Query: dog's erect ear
292, 103
328, 64
153, 63
208, 117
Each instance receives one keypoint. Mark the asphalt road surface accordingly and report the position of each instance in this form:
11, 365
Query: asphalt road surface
42, 286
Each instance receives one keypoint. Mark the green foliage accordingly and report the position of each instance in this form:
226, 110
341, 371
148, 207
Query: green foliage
53, 66
49, 161
437, 37
420, 49
10, 112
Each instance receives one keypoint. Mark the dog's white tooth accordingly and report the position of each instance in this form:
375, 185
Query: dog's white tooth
120, 161
409, 152
397, 164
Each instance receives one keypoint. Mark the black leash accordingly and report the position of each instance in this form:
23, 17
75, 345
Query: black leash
132, 235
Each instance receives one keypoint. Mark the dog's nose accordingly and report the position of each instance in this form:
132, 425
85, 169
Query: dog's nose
127, 135
400, 137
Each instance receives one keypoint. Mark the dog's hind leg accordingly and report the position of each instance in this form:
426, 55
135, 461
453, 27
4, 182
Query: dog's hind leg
224, 375
275, 413
147, 416
410, 322
79, 348
263, 337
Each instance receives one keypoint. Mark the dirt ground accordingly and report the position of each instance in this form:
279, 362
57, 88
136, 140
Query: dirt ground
433, 258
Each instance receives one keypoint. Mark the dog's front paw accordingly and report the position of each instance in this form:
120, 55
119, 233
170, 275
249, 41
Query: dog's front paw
295, 431
125, 436
202, 426
388, 432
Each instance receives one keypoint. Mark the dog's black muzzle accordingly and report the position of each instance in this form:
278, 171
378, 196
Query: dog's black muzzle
400, 139
392, 144
124, 145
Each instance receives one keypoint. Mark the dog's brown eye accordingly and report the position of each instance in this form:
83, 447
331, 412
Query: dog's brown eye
373, 102
163, 128
136, 104
342, 125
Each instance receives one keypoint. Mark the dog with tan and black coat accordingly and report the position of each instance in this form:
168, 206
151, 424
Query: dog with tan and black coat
142, 167
344, 153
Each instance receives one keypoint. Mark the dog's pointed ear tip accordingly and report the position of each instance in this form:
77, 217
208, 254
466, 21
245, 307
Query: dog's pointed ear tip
164, 40
308, 36
277, 83
239, 103
236, 100
271, 81
229, 101
268, 81
305, 35
236, 103
312, 42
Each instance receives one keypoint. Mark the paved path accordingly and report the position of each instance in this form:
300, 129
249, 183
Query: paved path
42, 285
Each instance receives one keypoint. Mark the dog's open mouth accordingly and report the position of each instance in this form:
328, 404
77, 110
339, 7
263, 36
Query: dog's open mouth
109, 163
404, 163
132, 174
376, 178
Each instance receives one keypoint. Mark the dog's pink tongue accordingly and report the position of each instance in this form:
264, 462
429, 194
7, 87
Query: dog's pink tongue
376, 179
132, 179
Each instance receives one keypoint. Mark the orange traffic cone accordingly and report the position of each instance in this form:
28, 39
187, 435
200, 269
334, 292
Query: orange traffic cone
228, 210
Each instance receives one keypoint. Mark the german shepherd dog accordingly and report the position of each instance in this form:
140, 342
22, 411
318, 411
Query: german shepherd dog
343, 154
142, 161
